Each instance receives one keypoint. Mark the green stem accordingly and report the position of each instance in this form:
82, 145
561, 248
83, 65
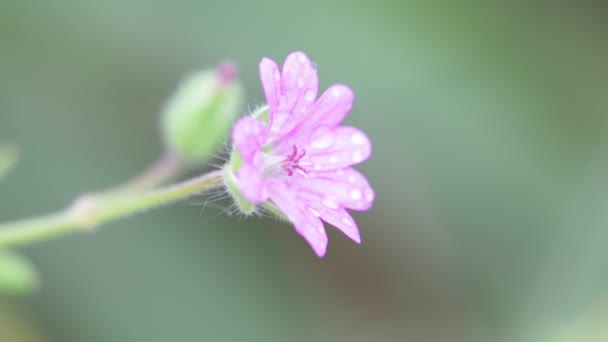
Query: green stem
90, 211
162, 171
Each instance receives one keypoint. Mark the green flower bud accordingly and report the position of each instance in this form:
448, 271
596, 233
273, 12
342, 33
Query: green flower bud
198, 116
17, 275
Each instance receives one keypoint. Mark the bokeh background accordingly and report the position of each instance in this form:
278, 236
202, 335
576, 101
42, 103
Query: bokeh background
490, 166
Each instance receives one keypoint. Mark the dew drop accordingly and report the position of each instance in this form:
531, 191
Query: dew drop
333, 160
330, 203
357, 139
322, 138
357, 156
354, 194
347, 221
309, 96
369, 194
301, 58
314, 212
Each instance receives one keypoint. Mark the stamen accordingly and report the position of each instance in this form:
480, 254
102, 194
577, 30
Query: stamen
292, 162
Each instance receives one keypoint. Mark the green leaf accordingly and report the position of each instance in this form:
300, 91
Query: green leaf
17, 275
8, 158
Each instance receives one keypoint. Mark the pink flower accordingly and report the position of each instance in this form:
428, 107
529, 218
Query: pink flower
301, 158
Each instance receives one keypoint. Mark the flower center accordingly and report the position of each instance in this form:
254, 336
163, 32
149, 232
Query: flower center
281, 166
291, 163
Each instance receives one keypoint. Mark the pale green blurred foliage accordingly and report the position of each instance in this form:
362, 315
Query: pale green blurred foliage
490, 167
588, 326
17, 274
8, 158
197, 118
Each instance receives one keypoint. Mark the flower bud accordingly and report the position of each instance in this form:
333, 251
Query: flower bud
17, 275
198, 115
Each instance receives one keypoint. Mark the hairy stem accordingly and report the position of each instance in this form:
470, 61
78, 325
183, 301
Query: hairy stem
90, 211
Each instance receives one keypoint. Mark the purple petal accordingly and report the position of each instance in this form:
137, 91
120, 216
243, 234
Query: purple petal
331, 149
271, 82
248, 135
306, 223
251, 183
341, 188
331, 108
299, 85
342, 220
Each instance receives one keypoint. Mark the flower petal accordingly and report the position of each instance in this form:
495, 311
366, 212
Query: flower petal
251, 183
342, 220
341, 188
338, 218
299, 85
271, 82
305, 223
331, 149
248, 135
331, 108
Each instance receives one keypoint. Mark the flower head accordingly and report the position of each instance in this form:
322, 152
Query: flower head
295, 153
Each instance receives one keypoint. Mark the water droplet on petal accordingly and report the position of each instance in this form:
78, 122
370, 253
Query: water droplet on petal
330, 203
352, 179
357, 156
357, 139
369, 194
310, 96
354, 194
320, 229
333, 160
301, 57
314, 212
322, 138
347, 221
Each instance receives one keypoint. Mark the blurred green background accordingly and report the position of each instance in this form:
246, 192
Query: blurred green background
490, 166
